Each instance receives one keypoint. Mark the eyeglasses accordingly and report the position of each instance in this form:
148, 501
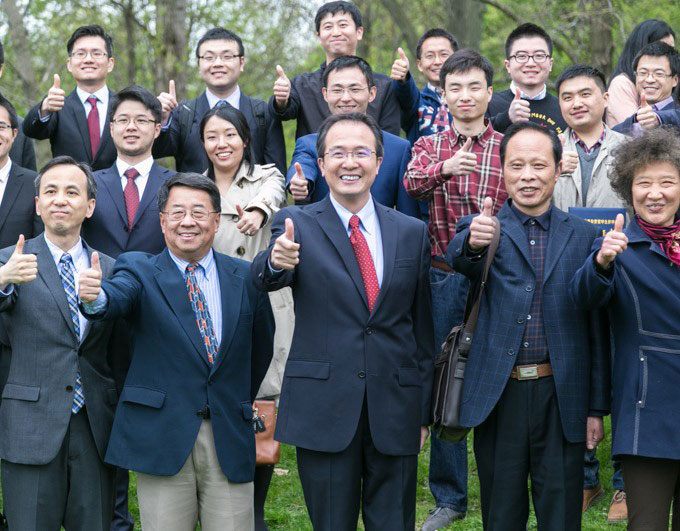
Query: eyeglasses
539, 57
659, 75
211, 58
432, 56
197, 214
352, 91
342, 154
95, 54
5, 127
140, 121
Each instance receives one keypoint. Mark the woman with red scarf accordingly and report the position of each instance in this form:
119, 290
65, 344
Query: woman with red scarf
635, 273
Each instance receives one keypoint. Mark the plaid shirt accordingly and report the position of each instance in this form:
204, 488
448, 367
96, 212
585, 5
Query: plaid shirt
534, 347
452, 197
587, 150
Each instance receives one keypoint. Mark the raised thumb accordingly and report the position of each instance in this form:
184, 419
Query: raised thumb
643, 100
280, 72
290, 230
298, 170
518, 94
618, 223
468, 144
94, 261
171, 88
19, 249
402, 55
57, 81
487, 209
239, 210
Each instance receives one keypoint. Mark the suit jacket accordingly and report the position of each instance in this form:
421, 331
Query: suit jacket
170, 379
22, 151
577, 339
69, 135
36, 401
107, 229
341, 353
265, 131
388, 188
17, 209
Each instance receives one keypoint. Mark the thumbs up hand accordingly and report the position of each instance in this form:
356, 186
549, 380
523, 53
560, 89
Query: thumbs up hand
462, 163
90, 281
299, 187
250, 221
20, 267
482, 227
54, 101
285, 253
281, 89
168, 102
646, 116
614, 243
520, 110
400, 66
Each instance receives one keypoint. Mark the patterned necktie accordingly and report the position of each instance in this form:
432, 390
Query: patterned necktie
66, 272
131, 195
93, 125
200, 307
221, 103
365, 260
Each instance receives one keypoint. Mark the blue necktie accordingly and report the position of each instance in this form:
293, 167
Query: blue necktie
221, 103
67, 274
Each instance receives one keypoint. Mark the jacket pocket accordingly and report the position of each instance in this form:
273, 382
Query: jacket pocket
308, 369
30, 393
409, 376
404, 262
143, 396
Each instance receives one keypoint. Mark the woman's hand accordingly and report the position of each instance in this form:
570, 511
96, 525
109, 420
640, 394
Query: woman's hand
251, 220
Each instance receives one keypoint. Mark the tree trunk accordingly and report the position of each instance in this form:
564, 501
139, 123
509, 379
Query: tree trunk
404, 22
463, 18
22, 51
172, 18
601, 40
131, 44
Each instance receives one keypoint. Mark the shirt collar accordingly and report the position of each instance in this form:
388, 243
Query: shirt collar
232, 99
482, 138
144, 167
436, 91
541, 95
207, 262
4, 171
76, 251
543, 220
663, 103
366, 214
102, 95
577, 140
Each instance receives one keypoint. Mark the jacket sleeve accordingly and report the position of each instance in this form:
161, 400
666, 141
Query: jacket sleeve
591, 287
389, 111
123, 289
457, 255
275, 145
408, 97
424, 171
305, 154
33, 127
670, 117
167, 143
263, 342
405, 203
27, 154
501, 121
292, 109
272, 193
261, 273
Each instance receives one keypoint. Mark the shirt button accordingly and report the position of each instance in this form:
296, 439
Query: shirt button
529, 288
511, 352
362, 374
532, 242
526, 344
69, 388
241, 251
533, 222
240, 185
369, 331
234, 218
520, 320
529, 317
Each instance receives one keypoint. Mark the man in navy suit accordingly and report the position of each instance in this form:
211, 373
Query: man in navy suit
202, 344
348, 86
356, 390
78, 124
536, 383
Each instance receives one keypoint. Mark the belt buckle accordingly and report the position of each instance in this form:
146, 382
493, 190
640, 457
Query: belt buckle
527, 372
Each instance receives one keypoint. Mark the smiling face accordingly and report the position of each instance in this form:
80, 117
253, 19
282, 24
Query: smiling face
582, 103
655, 90
467, 95
433, 53
223, 145
89, 72
530, 75
656, 193
338, 35
219, 75
134, 140
348, 91
7, 136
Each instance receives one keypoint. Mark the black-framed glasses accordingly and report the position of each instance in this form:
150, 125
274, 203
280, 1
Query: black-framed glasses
538, 57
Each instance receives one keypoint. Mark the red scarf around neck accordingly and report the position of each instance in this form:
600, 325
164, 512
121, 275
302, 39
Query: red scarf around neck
667, 237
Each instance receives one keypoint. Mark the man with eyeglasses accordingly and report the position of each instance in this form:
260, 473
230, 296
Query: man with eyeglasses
348, 86
221, 60
78, 124
528, 51
202, 343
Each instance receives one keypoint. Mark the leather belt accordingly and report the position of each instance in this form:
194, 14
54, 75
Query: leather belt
531, 372
438, 263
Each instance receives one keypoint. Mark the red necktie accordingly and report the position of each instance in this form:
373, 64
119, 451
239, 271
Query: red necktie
131, 195
365, 260
93, 125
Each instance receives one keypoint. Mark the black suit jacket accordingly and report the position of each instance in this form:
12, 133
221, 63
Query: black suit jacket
17, 209
68, 133
265, 131
22, 151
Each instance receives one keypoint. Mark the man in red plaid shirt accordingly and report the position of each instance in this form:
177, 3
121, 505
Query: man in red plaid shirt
455, 170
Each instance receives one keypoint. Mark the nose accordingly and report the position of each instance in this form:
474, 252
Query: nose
346, 96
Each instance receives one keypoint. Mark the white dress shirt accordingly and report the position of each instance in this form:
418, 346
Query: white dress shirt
4, 176
144, 169
102, 104
232, 99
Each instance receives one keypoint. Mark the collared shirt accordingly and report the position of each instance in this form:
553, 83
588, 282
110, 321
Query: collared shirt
534, 346
525, 96
369, 226
81, 261
102, 103
584, 147
452, 197
144, 168
4, 176
437, 91
233, 98
209, 284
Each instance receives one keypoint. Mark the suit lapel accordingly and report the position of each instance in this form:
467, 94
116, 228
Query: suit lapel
75, 107
14, 185
512, 226
153, 184
111, 180
231, 295
558, 236
389, 233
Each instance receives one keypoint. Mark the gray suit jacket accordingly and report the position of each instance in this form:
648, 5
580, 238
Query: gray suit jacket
36, 401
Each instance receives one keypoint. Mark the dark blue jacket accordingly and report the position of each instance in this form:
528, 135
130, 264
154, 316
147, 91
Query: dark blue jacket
670, 117
626, 126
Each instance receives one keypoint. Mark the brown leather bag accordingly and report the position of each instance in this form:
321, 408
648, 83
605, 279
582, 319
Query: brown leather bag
267, 450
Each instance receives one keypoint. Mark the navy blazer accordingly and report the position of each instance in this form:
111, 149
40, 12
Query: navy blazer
341, 353
577, 340
642, 296
626, 126
388, 188
170, 379
107, 230
69, 135
266, 134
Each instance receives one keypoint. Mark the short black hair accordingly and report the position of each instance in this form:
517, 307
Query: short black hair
463, 61
518, 127
92, 30
660, 49
66, 160
574, 71
2, 54
527, 30
140, 94
190, 180
240, 123
349, 61
432, 33
13, 118
349, 117
332, 8
219, 33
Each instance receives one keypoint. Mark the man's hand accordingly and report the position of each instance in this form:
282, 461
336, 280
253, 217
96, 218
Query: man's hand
400, 67
424, 434
298, 186
463, 162
594, 432
54, 101
646, 116
281, 89
570, 160
20, 267
520, 110
614, 243
168, 102
482, 227
285, 253
90, 281
251, 220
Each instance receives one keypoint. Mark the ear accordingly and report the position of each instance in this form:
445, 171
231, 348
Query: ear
37, 206
360, 33
320, 162
507, 65
157, 131
242, 63
675, 79
605, 97
90, 207
372, 93
489, 90
112, 62
324, 93
420, 69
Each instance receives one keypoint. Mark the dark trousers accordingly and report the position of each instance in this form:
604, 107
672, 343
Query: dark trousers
652, 484
335, 485
522, 438
74, 490
122, 519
